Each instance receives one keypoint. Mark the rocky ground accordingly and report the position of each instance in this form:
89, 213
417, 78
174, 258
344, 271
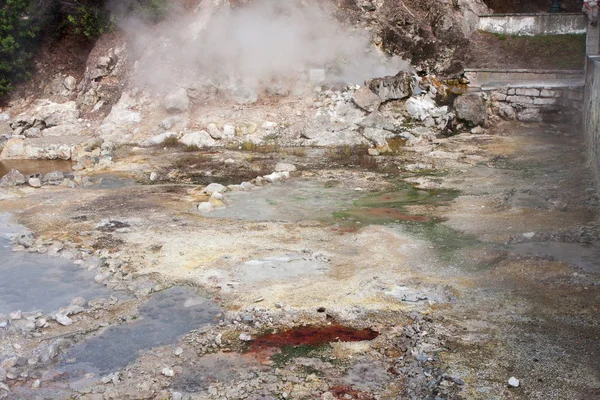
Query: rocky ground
406, 295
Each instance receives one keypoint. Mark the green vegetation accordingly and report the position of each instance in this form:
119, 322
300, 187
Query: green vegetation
24, 23
288, 353
17, 34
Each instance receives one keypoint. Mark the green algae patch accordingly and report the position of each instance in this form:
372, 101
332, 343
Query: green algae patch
389, 207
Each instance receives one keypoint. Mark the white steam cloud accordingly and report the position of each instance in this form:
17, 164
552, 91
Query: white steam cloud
264, 43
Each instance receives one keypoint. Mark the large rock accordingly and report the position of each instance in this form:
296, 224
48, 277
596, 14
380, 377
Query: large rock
392, 87
365, 99
13, 178
54, 114
177, 101
199, 139
46, 148
470, 108
122, 117
419, 108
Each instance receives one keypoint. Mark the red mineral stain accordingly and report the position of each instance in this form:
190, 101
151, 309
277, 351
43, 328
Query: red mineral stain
347, 392
313, 336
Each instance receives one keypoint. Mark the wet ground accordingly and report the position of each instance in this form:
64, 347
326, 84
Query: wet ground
345, 283
30, 167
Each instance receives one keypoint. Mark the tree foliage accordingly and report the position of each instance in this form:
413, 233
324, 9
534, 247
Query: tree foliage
17, 36
23, 23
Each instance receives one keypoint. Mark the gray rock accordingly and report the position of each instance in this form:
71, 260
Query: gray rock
214, 132
159, 139
199, 139
63, 319
177, 101
70, 83
35, 182
215, 188
392, 87
176, 396
13, 178
514, 382
2, 375
168, 372
53, 178
205, 207
470, 108
365, 99
529, 115
32, 133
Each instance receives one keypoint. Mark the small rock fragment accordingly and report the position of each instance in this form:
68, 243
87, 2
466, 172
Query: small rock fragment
168, 372
514, 382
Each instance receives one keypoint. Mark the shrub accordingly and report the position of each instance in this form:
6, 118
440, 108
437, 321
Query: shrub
17, 37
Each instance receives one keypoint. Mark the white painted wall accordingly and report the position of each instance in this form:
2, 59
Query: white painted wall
533, 24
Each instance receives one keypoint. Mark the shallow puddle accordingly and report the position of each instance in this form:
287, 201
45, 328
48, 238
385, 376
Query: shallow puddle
294, 200
30, 167
585, 257
162, 320
36, 282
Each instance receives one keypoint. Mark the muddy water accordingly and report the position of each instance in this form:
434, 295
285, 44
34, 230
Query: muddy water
585, 257
290, 201
30, 167
36, 282
162, 320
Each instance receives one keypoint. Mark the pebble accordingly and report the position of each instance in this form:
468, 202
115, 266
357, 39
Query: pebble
178, 351
245, 337
205, 207
36, 384
514, 382
35, 182
168, 371
63, 319
176, 396
153, 176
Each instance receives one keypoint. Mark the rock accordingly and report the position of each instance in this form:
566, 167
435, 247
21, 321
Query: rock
505, 111
419, 108
274, 177
215, 188
63, 319
176, 396
159, 139
245, 337
168, 372
470, 108
392, 87
13, 178
178, 351
365, 99
514, 382
121, 119
169, 122
32, 132
529, 115
229, 131
153, 177
70, 83
281, 167
245, 95
199, 139
214, 132
177, 101
205, 207
53, 178
35, 182
247, 186
41, 322
54, 114
217, 196
478, 130
26, 240
15, 316
36, 384
2, 375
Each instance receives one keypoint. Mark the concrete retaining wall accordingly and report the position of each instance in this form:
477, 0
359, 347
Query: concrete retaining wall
536, 103
487, 76
533, 24
591, 114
